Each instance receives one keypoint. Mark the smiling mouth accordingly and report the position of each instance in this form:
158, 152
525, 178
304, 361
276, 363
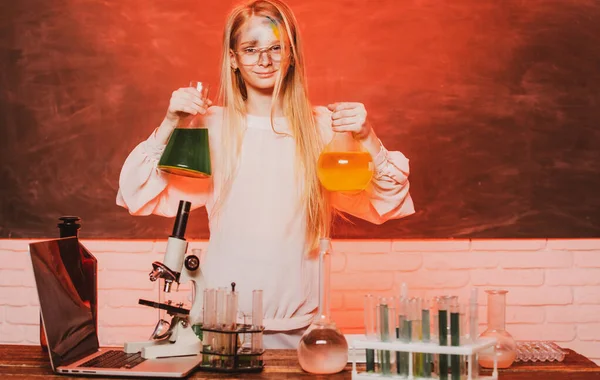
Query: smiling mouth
265, 74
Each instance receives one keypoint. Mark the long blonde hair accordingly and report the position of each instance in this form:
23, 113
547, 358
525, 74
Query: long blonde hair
291, 87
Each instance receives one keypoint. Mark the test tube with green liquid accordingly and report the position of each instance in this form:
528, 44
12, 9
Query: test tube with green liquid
384, 335
399, 324
370, 329
443, 337
405, 335
401, 330
455, 338
426, 337
415, 308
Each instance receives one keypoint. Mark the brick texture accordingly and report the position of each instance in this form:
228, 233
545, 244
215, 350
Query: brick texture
553, 284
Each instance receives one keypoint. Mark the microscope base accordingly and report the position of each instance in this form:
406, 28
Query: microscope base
186, 344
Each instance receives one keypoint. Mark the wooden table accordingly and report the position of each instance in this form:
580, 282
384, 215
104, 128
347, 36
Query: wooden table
30, 362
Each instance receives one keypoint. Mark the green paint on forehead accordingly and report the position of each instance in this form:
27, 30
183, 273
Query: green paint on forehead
274, 26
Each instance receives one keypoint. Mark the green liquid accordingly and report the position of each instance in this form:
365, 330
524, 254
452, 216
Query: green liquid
399, 354
406, 337
370, 360
443, 333
187, 153
385, 337
417, 356
455, 341
197, 329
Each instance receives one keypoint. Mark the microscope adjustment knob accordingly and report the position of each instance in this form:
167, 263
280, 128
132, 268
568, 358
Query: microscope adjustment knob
192, 262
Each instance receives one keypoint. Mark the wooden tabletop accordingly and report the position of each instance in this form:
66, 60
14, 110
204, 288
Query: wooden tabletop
30, 362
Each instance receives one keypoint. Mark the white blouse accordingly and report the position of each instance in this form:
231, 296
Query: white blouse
259, 238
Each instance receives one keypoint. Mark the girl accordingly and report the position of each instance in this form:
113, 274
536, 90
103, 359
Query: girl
265, 203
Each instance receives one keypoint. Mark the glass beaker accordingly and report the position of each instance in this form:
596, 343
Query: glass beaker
506, 347
188, 151
323, 349
344, 164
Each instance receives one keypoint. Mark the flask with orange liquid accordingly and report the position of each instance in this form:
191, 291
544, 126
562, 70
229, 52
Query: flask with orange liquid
344, 165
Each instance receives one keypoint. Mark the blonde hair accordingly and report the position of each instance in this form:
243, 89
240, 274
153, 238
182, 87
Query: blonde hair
291, 89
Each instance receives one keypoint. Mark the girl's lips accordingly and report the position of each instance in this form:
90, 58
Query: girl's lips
266, 75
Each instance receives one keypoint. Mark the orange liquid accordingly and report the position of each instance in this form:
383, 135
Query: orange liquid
345, 171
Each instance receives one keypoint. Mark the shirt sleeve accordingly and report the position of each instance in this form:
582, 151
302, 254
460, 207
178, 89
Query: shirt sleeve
387, 196
144, 189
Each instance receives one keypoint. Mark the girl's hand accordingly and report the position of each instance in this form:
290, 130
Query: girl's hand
350, 117
186, 101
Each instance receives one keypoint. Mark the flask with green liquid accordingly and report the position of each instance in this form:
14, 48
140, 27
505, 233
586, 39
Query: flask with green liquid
188, 152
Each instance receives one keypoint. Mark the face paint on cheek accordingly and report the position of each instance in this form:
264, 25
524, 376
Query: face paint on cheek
274, 27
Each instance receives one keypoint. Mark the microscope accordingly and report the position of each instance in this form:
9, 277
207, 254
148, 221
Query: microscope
176, 338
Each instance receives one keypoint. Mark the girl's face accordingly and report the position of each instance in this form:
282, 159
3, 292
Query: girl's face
259, 53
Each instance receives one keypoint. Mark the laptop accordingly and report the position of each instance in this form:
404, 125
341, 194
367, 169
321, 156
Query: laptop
69, 321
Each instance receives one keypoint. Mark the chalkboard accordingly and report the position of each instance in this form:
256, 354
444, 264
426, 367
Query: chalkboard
496, 103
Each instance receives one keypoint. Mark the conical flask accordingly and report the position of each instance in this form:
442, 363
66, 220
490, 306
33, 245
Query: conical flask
344, 164
323, 349
188, 151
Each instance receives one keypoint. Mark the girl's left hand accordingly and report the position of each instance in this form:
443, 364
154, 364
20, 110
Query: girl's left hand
350, 117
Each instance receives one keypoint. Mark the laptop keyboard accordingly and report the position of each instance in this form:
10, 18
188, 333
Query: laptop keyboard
114, 359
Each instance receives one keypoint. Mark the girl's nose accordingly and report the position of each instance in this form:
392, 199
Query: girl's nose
264, 59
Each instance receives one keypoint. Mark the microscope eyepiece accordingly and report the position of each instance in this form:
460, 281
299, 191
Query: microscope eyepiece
181, 219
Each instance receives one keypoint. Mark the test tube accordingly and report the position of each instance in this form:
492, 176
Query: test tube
232, 309
392, 319
208, 321
407, 334
449, 301
257, 319
435, 319
426, 326
443, 337
209, 312
464, 323
473, 329
455, 338
221, 306
403, 331
370, 329
415, 306
399, 324
219, 343
231, 321
384, 335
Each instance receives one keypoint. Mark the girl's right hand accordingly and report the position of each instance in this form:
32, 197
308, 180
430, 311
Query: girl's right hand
186, 101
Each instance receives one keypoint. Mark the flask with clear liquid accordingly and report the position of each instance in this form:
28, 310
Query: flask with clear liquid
344, 164
188, 152
323, 349
506, 347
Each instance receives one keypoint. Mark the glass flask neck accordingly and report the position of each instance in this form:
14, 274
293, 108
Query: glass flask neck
192, 122
323, 316
344, 142
496, 309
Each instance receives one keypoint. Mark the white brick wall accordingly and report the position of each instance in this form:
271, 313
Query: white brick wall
554, 285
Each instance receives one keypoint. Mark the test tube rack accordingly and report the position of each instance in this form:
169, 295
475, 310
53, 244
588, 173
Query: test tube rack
221, 351
421, 347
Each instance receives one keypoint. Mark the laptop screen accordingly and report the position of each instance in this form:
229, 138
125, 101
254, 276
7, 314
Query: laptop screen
63, 285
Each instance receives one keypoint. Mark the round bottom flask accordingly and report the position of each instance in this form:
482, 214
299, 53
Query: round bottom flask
323, 349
